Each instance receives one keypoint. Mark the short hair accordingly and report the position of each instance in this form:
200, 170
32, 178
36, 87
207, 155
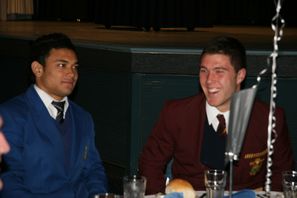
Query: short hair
228, 46
42, 46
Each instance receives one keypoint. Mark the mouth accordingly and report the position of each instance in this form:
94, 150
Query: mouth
69, 82
213, 91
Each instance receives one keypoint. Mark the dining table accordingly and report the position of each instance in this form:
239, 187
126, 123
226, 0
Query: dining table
202, 194
236, 194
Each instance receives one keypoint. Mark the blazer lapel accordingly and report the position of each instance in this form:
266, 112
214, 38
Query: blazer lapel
43, 121
77, 139
200, 116
201, 111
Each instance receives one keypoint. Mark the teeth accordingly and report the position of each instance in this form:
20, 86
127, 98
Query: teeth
213, 90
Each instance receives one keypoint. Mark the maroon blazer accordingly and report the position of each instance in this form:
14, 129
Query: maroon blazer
178, 135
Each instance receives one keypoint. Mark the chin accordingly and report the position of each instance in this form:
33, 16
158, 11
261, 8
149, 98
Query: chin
66, 92
213, 102
67, 89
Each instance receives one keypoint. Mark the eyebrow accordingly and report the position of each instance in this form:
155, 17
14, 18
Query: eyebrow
66, 61
220, 67
61, 60
215, 67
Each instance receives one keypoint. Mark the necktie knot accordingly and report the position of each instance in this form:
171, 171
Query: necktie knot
222, 125
60, 108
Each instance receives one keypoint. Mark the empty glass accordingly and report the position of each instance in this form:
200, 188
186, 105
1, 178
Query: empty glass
215, 182
134, 186
290, 184
106, 195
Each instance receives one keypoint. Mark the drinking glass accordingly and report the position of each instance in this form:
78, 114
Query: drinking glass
106, 195
134, 186
290, 184
215, 182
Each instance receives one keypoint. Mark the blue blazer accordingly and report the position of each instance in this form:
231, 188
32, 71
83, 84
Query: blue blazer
36, 160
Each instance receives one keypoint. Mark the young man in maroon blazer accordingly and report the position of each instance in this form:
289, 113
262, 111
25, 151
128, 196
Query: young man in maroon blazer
186, 129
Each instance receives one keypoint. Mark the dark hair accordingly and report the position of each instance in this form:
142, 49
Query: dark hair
228, 46
42, 46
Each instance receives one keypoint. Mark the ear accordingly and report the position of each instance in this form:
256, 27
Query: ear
241, 75
37, 68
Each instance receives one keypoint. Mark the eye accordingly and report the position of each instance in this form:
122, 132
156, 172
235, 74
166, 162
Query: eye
75, 67
220, 70
61, 65
203, 70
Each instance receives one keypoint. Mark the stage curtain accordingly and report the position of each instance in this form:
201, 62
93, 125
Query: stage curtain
154, 13
3, 10
244, 12
64, 10
20, 7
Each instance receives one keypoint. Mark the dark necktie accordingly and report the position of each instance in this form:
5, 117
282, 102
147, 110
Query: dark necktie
60, 107
221, 130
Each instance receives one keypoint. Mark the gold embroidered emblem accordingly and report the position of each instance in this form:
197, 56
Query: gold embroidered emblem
256, 166
255, 155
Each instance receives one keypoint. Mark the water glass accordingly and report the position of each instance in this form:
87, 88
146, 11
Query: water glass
215, 182
134, 186
106, 195
290, 184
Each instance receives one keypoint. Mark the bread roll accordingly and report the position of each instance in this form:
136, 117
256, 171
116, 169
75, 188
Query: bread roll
180, 185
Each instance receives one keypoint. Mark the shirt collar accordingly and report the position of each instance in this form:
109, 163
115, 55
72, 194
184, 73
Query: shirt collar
212, 112
47, 101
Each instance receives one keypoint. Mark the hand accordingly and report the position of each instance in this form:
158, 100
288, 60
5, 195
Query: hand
4, 147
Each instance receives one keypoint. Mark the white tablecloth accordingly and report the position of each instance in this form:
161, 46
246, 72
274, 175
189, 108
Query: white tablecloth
200, 194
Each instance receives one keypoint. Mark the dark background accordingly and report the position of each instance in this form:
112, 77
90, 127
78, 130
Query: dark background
165, 13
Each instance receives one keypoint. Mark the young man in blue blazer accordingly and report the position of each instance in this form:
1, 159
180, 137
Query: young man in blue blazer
53, 153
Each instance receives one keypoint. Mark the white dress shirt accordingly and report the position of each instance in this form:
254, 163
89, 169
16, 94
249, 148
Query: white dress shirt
212, 113
47, 101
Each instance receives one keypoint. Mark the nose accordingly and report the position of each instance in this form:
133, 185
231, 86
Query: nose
210, 77
71, 71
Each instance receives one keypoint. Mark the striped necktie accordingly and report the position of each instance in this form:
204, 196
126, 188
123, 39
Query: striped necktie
60, 107
222, 125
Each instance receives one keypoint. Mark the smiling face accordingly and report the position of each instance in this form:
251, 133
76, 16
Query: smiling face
219, 80
58, 76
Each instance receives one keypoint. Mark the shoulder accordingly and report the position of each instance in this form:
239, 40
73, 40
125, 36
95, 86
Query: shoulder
184, 107
260, 115
78, 110
263, 108
16, 104
15, 112
188, 102
21, 101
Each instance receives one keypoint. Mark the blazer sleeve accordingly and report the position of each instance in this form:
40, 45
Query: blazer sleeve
282, 157
96, 181
157, 152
